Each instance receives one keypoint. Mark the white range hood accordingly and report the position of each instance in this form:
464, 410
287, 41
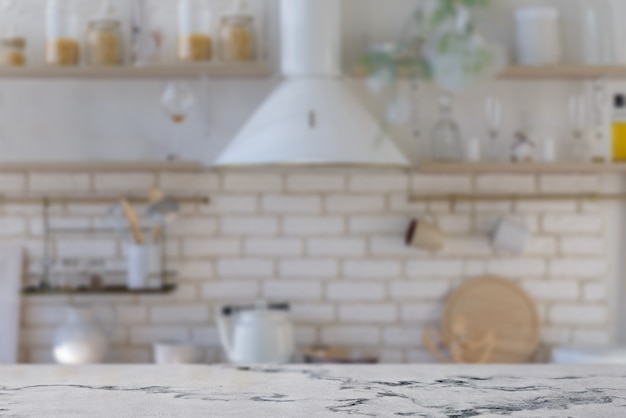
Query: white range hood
312, 118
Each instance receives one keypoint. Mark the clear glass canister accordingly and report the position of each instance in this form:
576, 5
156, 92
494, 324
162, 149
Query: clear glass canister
62, 42
194, 31
237, 38
104, 43
13, 51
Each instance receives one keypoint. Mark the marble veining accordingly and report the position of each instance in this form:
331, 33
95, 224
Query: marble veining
303, 391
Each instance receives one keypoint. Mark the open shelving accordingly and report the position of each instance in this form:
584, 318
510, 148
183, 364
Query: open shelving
520, 168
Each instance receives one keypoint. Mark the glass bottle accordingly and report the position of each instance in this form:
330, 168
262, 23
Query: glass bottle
237, 37
104, 41
62, 45
194, 31
13, 49
446, 136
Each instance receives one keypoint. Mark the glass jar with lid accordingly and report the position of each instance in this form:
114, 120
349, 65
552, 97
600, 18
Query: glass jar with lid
62, 41
13, 53
104, 40
195, 43
237, 36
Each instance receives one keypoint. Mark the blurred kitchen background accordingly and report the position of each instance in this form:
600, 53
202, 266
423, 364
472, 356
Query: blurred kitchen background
84, 154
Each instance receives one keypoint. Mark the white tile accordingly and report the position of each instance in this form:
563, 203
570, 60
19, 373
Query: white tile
406, 336
280, 247
419, 290
189, 183
232, 204
337, 247
206, 336
382, 183
579, 315
290, 290
12, 226
441, 184
313, 226
379, 224
368, 313
371, 269
291, 204
150, 335
446, 268
185, 227
134, 182
309, 268
355, 204
569, 183
595, 292
96, 248
455, 224
306, 183
251, 226
252, 183
59, 182
351, 335
518, 184
552, 290
207, 247
313, 312
591, 338
569, 223
245, 267
179, 314
131, 314
230, 290
517, 267
578, 268
355, 291
12, 183
422, 312
583, 246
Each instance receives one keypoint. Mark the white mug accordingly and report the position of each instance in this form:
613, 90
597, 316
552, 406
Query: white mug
175, 353
143, 263
511, 235
425, 235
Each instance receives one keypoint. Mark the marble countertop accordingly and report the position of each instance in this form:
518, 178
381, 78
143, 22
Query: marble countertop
303, 391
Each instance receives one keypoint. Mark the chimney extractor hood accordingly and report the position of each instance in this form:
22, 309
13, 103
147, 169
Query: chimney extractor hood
312, 118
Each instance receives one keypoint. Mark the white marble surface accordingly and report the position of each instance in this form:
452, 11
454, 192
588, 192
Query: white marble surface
302, 391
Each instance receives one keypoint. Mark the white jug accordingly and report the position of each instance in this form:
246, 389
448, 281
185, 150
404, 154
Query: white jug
81, 339
257, 334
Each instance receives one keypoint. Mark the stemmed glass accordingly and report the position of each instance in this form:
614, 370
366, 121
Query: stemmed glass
493, 113
578, 120
177, 101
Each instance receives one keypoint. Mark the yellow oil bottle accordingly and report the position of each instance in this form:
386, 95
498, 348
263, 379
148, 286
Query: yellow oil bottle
619, 128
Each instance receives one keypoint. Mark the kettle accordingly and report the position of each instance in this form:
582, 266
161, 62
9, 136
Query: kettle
260, 333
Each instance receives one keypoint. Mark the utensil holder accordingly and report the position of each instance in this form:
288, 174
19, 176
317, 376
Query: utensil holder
143, 263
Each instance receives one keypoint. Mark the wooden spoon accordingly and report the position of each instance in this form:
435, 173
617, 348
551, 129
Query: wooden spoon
133, 221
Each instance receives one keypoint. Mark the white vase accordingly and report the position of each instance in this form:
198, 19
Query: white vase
81, 339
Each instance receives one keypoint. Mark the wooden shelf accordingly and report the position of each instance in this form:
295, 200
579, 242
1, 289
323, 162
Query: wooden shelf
240, 70
101, 166
530, 168
108, 290
564, 72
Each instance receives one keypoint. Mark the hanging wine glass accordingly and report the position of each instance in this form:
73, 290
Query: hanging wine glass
177, 101
493, 113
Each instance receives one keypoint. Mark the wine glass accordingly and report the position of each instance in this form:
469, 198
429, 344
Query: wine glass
578, 121
493, 113
177, 101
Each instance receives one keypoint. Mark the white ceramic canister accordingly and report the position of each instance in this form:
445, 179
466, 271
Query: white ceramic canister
81, 339
538, 36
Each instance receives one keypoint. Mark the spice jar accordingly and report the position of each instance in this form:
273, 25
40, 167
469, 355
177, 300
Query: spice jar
237, 39
13, 51
194, 31
104, 40
62, 45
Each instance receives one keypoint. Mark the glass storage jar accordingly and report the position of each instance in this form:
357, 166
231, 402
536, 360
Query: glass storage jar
13, 51
195, 43
237, 38
104, 43
62, 44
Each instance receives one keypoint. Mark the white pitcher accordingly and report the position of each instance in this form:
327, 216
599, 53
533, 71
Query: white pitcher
81, 339
257, 334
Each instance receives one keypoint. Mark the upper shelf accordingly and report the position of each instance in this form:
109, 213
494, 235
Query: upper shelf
102, 166
526, 168
219, 70
564, 72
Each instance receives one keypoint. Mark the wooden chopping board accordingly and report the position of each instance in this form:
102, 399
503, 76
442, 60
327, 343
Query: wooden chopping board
497, 304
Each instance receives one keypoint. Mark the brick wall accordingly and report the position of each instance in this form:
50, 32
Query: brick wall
332, 244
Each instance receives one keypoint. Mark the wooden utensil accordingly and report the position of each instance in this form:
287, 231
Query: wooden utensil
133, 221
492, 305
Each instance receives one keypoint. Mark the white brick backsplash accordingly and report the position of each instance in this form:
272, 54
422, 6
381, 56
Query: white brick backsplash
578, 268
273, 247
291, 204
38, 336
381, 183
569, 184
582, 246
231, 290
565, 223
195, 270
419, 290
37, 224
578, 315
192, 227
44, 315
420, 356
455, 224
307, 183
401, 202
517, 267
232, 204
309, 268
449, 268
289, 290
555, 335
595, 292
492, 207
474, 268
523, 206
517, 184
347, 291
12, 225
12, 183
591, 338
336, 247
206, 336
545, 246
125, 355
97, 247
553, 290
312, 312
207, 247
132, 182
245, 267
371, 269
391, 356
240, 225
351, 335
151, 335
355, 204
403, 336
200, 183
472, 246
59, 183
131, 314
441, 184
179, 314
305, 336
423, 312
379, 224
313, 226
393, 245
368, 313
252, 183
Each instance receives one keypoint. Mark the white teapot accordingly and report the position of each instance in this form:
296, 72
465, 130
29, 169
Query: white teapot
257, 334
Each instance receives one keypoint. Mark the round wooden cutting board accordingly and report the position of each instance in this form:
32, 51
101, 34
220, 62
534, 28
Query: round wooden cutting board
496, 304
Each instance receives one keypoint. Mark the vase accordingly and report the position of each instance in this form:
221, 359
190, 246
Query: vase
81, 339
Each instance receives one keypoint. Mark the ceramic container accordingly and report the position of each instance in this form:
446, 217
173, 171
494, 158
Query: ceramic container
81, 339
